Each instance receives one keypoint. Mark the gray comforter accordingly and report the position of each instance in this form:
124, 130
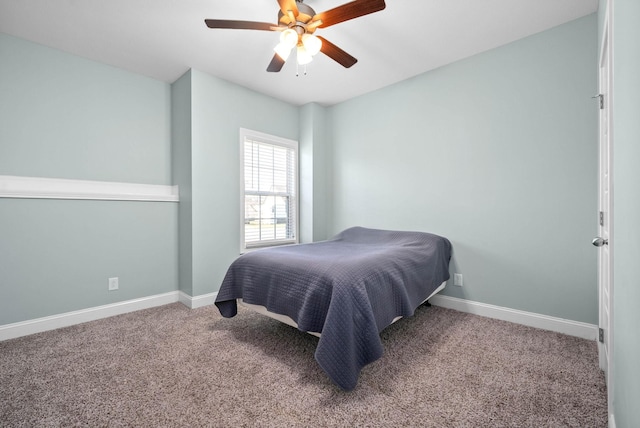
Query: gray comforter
348, 288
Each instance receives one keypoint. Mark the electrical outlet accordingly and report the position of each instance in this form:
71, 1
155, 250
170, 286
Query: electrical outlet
457, 279
113, 284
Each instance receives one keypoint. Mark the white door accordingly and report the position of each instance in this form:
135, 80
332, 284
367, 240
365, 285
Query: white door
603, 240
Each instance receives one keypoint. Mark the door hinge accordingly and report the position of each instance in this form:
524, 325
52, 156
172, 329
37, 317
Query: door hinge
601, 98
601, 218
601, 335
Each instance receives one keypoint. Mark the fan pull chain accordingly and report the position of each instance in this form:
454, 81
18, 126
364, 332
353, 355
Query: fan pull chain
304, 72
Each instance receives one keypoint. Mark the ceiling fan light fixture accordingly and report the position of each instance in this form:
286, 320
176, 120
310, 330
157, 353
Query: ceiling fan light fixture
312, 44
289, 37
303, 56
283, 50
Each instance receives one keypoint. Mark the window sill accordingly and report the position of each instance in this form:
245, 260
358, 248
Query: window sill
284, 244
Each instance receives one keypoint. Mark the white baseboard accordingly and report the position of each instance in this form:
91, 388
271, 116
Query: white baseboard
559, 325
197, 301
24, 328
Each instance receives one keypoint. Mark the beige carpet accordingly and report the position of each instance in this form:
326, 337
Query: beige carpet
174, 367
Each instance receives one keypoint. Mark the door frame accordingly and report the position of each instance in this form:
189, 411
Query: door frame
605, 202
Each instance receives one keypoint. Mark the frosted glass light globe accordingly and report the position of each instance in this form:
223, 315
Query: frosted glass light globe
311, 43
303, 56
289, 37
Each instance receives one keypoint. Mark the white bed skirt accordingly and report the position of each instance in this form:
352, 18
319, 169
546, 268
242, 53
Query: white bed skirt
287, 320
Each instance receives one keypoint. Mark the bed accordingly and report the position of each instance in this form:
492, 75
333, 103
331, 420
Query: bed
346, 290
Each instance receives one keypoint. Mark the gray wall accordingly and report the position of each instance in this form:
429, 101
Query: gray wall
314, 195
181, 176
65, 117
207, 161
498, 153
626, 211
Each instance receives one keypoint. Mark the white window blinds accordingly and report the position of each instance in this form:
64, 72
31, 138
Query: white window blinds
269, 194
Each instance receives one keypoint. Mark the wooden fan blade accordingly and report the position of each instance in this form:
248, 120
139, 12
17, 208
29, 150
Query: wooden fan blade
336, 54
288, 5
349, 11
240, 25
276, 64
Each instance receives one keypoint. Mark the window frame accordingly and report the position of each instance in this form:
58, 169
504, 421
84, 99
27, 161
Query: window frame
247, 134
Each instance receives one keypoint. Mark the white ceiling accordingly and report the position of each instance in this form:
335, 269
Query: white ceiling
164, 38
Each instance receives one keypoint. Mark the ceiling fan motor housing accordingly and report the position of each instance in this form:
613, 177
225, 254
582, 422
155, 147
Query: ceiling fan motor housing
299, 23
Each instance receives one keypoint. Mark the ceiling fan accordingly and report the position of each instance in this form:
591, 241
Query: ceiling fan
297, 23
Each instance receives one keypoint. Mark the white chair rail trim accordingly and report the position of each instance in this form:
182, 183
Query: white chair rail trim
12, 186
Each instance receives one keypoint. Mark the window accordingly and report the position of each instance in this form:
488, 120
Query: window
269, 177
